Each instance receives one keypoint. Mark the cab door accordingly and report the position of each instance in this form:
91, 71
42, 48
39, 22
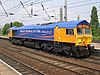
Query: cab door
70, 36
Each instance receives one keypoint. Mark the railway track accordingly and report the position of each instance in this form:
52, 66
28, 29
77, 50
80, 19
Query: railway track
19, 66
96, 41
93, 59
95, 52
77, 69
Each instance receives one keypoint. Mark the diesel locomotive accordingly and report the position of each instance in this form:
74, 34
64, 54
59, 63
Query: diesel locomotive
71, 38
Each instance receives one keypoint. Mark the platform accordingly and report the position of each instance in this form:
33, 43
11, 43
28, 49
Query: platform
5, 37
5, 69
96, 45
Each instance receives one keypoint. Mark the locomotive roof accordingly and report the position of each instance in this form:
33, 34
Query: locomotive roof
70, 24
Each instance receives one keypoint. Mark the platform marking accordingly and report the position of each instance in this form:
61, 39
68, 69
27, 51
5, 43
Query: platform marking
10, 67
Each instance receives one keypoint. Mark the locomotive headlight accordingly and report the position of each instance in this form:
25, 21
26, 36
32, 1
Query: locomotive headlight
59, 38
79, 41
90, 41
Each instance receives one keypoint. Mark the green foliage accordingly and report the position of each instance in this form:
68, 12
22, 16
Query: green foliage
96, 37
94, 21
17, 24
6, 27
99, 31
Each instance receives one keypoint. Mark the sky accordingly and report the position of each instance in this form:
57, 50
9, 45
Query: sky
74, 8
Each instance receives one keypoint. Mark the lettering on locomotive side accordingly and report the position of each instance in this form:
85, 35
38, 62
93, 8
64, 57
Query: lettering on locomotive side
22, 31
37, 31
29, 31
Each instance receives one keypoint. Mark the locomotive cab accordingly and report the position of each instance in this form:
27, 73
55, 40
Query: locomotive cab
77, 38
10, 33
83, 39
84, 35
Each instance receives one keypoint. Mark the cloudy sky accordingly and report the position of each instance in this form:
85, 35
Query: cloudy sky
52, 7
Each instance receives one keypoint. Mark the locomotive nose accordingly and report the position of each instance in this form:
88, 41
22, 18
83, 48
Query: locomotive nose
83, 40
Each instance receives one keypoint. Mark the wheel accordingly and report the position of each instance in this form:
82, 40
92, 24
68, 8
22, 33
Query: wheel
49, 47
66, 51
44, 48
13, 41
19, 42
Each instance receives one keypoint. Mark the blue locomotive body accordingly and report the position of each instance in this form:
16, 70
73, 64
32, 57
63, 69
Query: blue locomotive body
34, 32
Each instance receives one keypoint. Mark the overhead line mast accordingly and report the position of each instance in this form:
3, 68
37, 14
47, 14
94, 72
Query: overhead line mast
65, 7
32, 8
61, 14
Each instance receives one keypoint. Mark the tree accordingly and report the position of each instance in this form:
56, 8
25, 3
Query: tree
17, 24
99, 31
6, 27
94, 21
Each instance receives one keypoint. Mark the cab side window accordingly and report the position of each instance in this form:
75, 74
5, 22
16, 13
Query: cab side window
14, 32
69, 32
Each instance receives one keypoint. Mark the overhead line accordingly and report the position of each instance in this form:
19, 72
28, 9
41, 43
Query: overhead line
45, 11
73, 6
3, 8
35, 3
83, 4
43, 1
5, 1
79, 2
27, 2
26, 9
17, 6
